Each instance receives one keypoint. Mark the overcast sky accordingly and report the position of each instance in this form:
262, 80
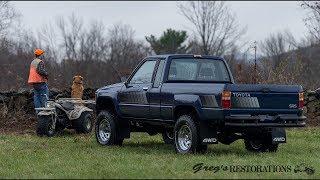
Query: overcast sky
153, 17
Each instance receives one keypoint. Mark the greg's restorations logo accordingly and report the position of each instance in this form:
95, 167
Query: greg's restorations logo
254, 168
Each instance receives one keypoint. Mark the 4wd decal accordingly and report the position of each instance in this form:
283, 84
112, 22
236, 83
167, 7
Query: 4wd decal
279, 139
209, 140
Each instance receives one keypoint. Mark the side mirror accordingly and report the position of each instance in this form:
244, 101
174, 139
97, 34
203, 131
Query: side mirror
123, 79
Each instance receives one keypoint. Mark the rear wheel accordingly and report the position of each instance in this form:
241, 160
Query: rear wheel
106, 129
168, 137
186, 136
259, 145
84, 123
202, 148
273, 147
45, 126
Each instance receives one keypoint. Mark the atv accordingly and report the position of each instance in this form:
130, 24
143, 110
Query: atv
70, 113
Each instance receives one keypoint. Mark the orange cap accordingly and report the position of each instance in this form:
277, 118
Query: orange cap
38, 52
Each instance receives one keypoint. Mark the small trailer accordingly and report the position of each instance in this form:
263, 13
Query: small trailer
70, 113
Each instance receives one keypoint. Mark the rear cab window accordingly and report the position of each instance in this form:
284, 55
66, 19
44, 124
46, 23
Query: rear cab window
198, 70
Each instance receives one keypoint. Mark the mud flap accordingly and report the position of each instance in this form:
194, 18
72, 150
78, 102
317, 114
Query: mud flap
278, 135
208, 135
124, 128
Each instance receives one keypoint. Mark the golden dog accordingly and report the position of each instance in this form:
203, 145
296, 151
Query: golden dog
77, 87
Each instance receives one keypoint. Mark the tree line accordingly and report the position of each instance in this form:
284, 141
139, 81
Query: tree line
104, 55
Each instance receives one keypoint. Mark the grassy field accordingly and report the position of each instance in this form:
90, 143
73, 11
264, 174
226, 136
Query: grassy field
79, 156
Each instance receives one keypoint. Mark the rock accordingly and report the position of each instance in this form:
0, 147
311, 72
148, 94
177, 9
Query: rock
3, 110
22, 100
17, 112
312, 106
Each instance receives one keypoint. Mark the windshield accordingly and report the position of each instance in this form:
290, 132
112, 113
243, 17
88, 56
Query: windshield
191, 69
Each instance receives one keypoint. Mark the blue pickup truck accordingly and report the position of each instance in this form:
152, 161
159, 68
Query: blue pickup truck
193, 101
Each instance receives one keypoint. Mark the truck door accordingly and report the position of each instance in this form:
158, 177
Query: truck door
155, 92
134, 96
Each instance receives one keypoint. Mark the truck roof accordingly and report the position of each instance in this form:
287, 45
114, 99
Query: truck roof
165, 56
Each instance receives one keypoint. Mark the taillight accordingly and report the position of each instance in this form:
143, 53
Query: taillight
301, 100
226, 100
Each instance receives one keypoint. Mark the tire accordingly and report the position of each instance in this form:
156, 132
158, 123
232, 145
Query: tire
106, 129
44, 126
260, 145
202, 148
59, 127
186, 135
273, 147
119, 142
84, 123
168, 137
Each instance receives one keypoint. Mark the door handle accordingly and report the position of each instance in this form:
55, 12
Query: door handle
145, 88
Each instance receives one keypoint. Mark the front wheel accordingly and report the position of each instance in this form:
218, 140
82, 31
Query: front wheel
106, 129
45, 126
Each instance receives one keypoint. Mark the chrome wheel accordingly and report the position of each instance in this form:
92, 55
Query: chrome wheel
184, 138
50, 128
170, 135
104, 130
88, 123
256, 144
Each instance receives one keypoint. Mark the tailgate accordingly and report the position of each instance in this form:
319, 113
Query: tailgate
257, 100
264, 105
264, 97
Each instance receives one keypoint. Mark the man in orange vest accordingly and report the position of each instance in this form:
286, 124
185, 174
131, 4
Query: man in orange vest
38, 78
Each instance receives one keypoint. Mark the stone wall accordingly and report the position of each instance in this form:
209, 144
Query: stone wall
312, 107
12, 102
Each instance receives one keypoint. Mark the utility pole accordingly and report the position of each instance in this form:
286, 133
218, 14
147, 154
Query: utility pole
255, 63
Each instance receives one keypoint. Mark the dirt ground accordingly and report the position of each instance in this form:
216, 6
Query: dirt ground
12, 125
17, 114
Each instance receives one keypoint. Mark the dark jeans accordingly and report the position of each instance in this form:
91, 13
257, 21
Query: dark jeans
41, 94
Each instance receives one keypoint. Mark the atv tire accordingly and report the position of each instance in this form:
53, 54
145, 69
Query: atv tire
45, 126
84, 123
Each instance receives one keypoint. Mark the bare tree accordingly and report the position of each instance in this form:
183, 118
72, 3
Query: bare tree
289, 71
7, 16
94, 44
124, 51
48, 39
312, 21
216, 27
71, 31
276, 46
285, 61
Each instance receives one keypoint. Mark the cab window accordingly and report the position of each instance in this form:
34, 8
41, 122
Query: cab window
190, 69
159, 75
144, 74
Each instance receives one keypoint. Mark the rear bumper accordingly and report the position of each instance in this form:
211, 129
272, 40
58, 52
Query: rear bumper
284, 120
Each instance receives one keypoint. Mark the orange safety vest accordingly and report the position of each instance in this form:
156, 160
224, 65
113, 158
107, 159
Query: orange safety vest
34, 76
